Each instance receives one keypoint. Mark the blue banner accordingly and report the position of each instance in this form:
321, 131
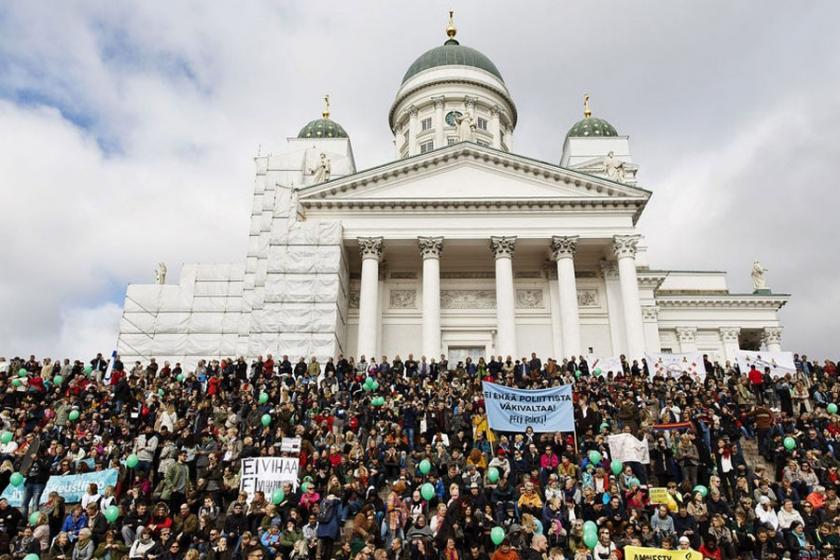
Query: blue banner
71, 487
514, 410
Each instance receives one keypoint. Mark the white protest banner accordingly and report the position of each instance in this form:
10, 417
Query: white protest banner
780, 363
674, 365
606, 365
290, 445
625, 447
267, 473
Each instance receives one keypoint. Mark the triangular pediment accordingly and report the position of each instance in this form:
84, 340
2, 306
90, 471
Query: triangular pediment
471, 172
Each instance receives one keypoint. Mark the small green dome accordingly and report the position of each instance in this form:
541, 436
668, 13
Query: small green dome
322, 128
591, 126
451, 53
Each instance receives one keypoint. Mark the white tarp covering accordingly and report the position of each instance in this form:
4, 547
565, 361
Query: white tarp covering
780, 363
674, 365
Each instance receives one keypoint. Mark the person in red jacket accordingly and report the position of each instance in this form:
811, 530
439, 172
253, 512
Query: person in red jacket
756, 382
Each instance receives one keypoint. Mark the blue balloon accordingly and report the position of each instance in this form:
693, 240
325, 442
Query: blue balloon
606, 498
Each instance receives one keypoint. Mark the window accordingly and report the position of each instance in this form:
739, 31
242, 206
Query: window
427, 147
451, 140
426, 124
482, 123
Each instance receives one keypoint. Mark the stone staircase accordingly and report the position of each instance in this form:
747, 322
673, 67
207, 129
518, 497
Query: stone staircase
754, 458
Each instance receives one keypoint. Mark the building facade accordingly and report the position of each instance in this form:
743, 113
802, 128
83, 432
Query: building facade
459, 246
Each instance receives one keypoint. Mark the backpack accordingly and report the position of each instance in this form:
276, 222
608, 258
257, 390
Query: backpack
327, 512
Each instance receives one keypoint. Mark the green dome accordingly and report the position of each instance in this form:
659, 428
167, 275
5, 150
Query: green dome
590, 126
451, 53
322, 128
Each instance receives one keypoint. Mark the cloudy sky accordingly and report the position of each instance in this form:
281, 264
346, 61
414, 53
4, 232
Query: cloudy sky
127, 131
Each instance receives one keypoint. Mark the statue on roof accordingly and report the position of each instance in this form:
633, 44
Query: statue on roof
322, 171
614, 168
757, 275
466, 127
160, 274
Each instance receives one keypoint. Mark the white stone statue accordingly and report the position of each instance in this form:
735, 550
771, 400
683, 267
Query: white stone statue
758, 276
466, 128
160, 274
614, 167
322, 172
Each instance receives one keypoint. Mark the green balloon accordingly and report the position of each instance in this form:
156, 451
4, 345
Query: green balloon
278, 496
425, 466
131, 461
31, 556
263, 397
58, 379
161, 392
369, 381
16, 479
22, 372
832, 408
578, 373
6, 437
34, 517
598, 371
493, 474
375, 385
112, 513
590, 540
595, 457
427, 491
88, 370
367, 386
74, 415
16, 382
604, 426
266, 419
790, 443
590, 527
702, 490
616, 466
633, 482
497, 535
180, 377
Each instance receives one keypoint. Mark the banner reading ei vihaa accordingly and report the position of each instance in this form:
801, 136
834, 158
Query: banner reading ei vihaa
645, 553
514, 410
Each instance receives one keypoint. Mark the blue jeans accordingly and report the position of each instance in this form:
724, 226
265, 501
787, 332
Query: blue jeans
32, 490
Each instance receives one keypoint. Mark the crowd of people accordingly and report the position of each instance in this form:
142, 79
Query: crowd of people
398, 462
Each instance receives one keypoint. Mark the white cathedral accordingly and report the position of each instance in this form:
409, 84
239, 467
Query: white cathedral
459, 246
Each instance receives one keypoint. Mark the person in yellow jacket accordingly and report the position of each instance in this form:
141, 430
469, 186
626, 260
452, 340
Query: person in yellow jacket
480, 425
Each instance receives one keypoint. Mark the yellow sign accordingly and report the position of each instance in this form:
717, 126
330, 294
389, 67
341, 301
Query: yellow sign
642, 553
658, 495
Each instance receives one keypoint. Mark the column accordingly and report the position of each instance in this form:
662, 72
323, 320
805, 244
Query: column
729, 336
688, 339
412, 131
505, 314
440, 137
650, 316
773, 339
563, 251
554, 305
609, 270
625, 251
371, 251
430, 249
494, 127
